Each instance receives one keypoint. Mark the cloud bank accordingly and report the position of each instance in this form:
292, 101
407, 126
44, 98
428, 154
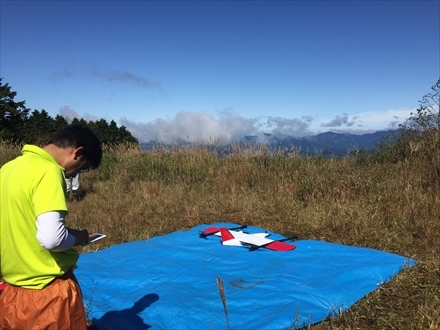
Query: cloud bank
194, 127
227, 127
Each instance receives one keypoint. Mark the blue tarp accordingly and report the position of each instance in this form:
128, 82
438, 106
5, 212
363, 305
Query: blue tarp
170, 282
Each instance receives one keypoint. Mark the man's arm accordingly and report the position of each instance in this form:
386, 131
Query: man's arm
53, 235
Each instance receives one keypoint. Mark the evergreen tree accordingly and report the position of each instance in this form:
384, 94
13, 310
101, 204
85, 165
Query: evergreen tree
39, 127
125, 136
59, 123
81, 121
12, 115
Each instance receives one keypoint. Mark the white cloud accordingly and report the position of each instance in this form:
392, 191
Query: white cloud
68, 113
228, 127
382, 119
193, 127
203, 127
339, 121
365, 122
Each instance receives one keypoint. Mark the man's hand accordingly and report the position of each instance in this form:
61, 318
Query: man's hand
81, 236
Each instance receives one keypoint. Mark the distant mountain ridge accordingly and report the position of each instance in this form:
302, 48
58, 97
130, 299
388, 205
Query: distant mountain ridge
326, 144
331, 143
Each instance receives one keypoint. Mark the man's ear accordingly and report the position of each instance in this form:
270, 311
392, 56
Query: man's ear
78, 152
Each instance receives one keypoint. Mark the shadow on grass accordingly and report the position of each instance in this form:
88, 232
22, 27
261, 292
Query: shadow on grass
126, 318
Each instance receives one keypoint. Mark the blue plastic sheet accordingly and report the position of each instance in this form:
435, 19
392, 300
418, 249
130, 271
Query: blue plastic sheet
170, 282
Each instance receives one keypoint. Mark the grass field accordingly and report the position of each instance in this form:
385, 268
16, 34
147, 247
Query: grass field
387, 203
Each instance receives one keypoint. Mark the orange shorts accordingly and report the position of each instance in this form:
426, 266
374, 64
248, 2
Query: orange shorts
57, 306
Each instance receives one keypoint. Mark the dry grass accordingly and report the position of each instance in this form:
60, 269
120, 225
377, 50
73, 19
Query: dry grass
392, 206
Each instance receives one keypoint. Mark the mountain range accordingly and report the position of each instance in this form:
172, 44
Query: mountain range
327, 144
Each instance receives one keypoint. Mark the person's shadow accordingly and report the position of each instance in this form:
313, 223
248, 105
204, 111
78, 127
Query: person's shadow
127, 318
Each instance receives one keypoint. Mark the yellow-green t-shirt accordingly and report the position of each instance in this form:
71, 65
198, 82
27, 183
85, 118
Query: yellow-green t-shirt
31, 184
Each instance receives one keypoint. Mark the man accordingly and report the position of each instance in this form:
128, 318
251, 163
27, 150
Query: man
36, 248
72, 186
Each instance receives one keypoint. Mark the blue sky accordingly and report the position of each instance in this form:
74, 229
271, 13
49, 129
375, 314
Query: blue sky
219, 70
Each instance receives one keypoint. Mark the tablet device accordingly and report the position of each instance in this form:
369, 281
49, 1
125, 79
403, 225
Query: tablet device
96, 238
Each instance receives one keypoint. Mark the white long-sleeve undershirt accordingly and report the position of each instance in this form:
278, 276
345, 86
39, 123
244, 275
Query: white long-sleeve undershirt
52, 233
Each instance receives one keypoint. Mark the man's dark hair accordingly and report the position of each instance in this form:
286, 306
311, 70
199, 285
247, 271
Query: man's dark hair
76, 136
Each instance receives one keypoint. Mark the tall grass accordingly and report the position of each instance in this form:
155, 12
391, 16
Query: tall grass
8, 151
389, 203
